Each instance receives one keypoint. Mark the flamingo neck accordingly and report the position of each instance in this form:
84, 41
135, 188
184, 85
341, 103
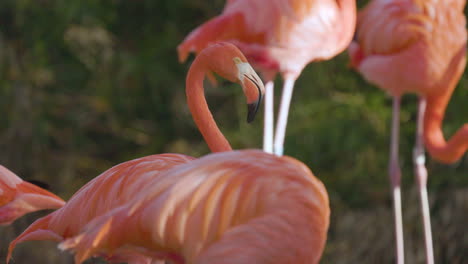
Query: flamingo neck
199, 108
445, 151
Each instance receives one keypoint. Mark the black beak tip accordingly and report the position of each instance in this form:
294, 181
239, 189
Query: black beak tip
41, 184
251, 112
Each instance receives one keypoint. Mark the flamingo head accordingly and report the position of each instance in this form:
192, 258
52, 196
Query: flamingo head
227, 61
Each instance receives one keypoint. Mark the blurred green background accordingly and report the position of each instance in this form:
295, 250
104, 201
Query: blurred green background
87, 84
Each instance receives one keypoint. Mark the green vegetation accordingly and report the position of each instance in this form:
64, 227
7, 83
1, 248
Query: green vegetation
88, 84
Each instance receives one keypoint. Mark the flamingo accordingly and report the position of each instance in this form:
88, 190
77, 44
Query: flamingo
279, 36
234, 207
18, 197
420, 47
119, 184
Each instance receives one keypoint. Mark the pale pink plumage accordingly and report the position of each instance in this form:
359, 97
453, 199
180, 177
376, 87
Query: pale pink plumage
279, 35
420, 47
18, 197
416, 46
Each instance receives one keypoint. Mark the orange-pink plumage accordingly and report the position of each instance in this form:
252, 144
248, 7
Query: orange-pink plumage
124, 181
18, 197
231, 207
228, 207
109, 190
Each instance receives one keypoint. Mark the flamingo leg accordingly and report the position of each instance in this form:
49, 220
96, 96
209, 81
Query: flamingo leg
269, 120
395, 179
420, 170
283, 115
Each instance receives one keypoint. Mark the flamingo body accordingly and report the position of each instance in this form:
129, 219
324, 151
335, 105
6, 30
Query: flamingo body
232, 207
279, 35
415, 46
119, 184
18, 197
428, 58
109, 190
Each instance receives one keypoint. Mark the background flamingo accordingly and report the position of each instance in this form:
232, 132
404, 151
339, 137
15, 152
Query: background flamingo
420, 47
279, 36
119, 184
232, 207
18, 197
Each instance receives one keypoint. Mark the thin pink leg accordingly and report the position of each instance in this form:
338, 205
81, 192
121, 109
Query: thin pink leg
395, 179
421, 175
283, 115
269, 110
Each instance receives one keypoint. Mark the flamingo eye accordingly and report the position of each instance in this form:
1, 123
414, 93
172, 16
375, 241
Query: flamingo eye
243, 68
237, 60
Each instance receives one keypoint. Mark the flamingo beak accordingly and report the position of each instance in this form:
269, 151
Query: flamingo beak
252, 108
252, 86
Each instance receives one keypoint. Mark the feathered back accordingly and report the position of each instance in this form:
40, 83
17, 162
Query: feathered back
430, 33
279, 35
111, 189
416, 46
274, 13
230, 207
411, 20
18, 197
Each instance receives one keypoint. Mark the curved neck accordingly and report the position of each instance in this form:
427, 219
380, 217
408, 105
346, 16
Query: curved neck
199, 108
442, 150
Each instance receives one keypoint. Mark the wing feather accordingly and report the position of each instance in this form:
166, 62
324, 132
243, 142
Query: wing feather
380, 21
223, 196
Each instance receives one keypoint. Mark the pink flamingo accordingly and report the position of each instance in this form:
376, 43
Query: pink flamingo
228, 208
18, 197
279, 36
415, 46
119, 184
